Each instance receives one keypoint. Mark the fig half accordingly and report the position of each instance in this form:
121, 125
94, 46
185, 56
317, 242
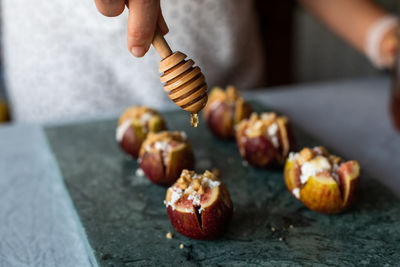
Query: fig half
134, 125
322, 182
224, 110
199, 205
264, 140
164, 155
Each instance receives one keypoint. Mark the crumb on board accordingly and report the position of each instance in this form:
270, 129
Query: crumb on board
181, 246
291, 226
139, 172
280, 238
273, 229
168, 235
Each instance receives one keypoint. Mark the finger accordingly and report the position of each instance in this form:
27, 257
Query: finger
110, 8
142, 22
162, 25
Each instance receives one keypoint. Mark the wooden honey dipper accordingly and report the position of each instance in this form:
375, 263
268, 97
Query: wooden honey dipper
185, 84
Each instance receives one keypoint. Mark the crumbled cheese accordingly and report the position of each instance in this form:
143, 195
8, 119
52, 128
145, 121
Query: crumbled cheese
145, 118
139, 172
121, 129
196, 176
192, 190
176, 195
195, 198
293, 156
272, 133
189, 210
318, 150
161, 145
314, 166
335, 173
296, 192
214, 105
212, 183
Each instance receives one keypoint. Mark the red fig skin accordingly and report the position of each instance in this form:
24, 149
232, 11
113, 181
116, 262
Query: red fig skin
220, 120
224, 110
153, 167
214, 218
152, 164
131, 142
258, 151
136, 133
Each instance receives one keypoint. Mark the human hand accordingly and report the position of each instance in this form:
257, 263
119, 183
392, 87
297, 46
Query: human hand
144, 17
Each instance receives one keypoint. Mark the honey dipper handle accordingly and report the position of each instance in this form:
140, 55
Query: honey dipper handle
161, 45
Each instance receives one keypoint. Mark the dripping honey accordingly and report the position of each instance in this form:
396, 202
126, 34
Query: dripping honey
194, 119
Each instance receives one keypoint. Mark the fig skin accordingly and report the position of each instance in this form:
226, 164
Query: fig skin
214, 218
135, 134
162, 172
132, 141
224, 110
258, 149
321, 192
153, 166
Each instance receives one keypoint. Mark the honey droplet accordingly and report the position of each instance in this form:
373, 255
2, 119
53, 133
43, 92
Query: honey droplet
194, 119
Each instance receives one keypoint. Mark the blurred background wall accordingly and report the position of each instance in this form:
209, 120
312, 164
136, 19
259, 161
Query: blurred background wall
299, 48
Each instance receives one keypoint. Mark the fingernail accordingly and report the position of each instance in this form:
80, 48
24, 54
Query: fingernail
138, 51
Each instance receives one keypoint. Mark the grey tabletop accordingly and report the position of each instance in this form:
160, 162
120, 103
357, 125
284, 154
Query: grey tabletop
40, 227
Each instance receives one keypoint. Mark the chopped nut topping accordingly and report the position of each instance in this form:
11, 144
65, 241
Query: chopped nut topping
313, 161
266, 124
196, 184
321, 150
200, 190
168, 235
136, 113
215, 171
232, 93
335, 159
193, 186
305, 155
161, 139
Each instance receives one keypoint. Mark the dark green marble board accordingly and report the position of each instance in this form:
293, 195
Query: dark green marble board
126, 221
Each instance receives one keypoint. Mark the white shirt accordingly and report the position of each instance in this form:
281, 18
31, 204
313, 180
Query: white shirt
63, 60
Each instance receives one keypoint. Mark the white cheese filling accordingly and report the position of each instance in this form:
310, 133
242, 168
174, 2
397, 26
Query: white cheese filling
272, 133
314, 166
121, 129
145, 118
193, 195
296, 192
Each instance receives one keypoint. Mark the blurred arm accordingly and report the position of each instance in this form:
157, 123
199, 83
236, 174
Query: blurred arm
352, 19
